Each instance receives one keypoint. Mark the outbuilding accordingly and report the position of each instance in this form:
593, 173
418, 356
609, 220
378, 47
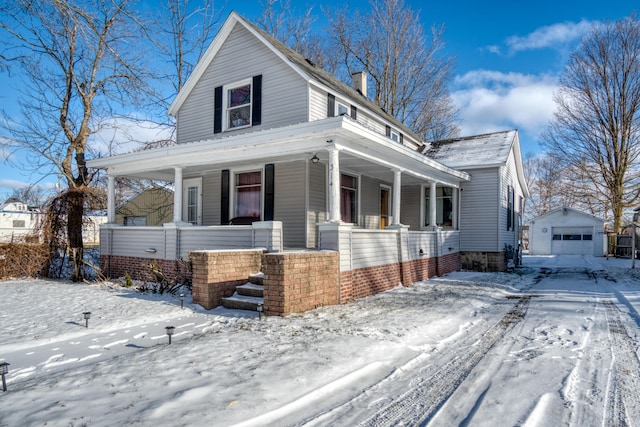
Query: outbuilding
567, 231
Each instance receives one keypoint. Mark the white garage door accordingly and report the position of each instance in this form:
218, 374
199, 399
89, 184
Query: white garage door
572, 241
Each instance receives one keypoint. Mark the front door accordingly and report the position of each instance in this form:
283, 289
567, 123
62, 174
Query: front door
384, 207
192, 201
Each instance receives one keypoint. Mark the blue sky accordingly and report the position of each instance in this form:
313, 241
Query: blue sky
508, 57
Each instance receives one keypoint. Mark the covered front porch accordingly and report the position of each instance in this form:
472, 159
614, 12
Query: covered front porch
332, 184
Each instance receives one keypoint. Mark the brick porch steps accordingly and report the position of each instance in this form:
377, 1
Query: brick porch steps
242, 302
247, 296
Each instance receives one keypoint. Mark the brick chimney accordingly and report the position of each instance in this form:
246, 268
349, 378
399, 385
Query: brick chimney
360, 82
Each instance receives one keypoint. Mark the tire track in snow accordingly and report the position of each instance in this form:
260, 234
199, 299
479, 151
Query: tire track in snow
421, 402
428, 394
622, 404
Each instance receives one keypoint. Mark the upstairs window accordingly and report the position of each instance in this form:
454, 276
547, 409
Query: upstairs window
342, 109
238, 105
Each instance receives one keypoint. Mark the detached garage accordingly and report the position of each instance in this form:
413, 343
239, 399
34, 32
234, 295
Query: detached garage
566, 231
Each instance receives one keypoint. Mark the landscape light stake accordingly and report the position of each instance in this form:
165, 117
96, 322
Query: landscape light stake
170, 330
260, 309
4, 369
87, 316
181, 300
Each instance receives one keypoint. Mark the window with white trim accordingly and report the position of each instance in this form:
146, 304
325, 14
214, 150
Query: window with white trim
342, 109
238, 105
394, 136
248, 194
349, 198
444, 206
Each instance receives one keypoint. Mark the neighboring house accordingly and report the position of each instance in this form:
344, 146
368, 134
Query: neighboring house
299, 161
492, 202
153, 206
18, 221
567, 231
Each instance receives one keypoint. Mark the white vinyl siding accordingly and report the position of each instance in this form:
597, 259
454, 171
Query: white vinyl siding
411, 199
317, 211
284, 92
369, 203
479, 206
211, 199
289, 203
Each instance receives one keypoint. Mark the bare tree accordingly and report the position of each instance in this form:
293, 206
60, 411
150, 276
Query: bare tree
76, 64
284, 23
410, 74
33, 195
595, 127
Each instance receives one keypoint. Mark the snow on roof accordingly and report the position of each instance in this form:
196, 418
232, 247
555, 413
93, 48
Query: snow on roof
478, 150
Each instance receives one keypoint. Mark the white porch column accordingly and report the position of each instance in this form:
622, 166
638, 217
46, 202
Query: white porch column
432, 205
177, 195
334, 185
397, 188
111, 199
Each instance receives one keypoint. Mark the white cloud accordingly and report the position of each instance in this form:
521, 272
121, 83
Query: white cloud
493, 101
551, 36
123, 135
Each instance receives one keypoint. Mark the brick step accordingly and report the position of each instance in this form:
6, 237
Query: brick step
256, 279
251, 290
242, 302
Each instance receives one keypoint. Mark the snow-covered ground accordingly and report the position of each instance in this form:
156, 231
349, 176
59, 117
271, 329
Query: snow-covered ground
553, 343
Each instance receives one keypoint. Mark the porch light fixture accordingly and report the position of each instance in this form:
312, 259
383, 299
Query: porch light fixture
260, 310
170, 330
181, 300
4, 369
87, 316
315, 159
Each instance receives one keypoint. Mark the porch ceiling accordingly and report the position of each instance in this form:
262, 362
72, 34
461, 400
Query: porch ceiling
362, 151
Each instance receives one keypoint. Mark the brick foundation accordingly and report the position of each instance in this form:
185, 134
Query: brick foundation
369, 281
217, 273
299, 281
483, 261
139, 268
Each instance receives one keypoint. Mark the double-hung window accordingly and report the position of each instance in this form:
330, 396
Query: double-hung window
238, 105
248, 194
349, 198
444, 207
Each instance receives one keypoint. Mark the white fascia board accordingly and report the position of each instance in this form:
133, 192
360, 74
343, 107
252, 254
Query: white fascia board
212, 51
240, 146
385, 147
519, 166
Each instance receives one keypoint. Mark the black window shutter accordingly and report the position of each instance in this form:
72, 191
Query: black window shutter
401, 139
269, 191
354, 112
224, 198
256, 106
331, 105
388, 131
217, 110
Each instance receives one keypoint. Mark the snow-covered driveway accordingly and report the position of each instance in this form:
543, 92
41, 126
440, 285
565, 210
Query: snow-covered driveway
553, 344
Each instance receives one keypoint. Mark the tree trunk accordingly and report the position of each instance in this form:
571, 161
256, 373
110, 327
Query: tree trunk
75, 212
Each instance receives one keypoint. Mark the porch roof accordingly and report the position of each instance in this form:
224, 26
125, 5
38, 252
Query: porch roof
362, 150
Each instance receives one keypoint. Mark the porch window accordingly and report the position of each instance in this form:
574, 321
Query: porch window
444, 207
238, 104
349, 198
248, 193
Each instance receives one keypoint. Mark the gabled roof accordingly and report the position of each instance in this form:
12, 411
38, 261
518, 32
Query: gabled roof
491, 149
479, 151
566, 210
299, 63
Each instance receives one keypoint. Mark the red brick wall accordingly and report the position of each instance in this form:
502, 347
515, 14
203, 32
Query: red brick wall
299, 281
114, 267
217, 273
369, 281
